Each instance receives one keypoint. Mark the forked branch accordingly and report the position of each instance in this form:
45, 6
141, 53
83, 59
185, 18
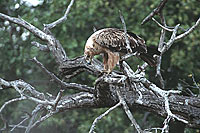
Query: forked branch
155, 11
60, 20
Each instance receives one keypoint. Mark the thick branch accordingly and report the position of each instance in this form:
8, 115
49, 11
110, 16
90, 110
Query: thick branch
52, 104
63, 84
127, 111
185, 108
38, 33
72, 67
54, 45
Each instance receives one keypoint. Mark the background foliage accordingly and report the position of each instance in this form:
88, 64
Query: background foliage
16, 50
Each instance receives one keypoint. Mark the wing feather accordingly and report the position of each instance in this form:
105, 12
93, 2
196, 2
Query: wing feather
115, 40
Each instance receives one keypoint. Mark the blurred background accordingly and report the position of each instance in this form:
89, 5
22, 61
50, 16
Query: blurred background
179, 64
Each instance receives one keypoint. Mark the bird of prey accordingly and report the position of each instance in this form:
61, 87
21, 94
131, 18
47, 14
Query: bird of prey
113, 43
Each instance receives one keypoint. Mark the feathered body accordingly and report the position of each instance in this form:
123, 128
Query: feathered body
111, 42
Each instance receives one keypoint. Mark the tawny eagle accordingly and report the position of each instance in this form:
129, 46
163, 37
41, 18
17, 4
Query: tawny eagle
112, 44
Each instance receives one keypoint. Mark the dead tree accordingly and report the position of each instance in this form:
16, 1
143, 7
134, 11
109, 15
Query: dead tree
128, 89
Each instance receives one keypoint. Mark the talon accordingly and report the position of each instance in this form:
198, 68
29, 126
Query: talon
106, 71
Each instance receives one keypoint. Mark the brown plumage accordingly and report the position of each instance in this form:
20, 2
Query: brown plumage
111, 42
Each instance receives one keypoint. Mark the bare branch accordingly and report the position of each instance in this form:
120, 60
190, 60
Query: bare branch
197, 86
181, 35
163, 27
171, 41
129, 50
33, 117
127, 56
94, 29
6, 126
40, 46
156, 89
158, 72
19, 124
101, 116
58, 97
128, 112
50, 26
83, 99
38, 33
188, 31
62, 83
42, 119
75, 66
4, 83
11, 101
165, 95
53, 44
78, 100
160, 47
155, 11
56, 104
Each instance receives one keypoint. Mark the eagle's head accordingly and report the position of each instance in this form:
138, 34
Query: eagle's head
89, 51
88, 55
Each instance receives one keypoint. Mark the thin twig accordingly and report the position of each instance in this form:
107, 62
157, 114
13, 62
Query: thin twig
160, 47
42, 119
101, 116
40, 46
50, 26
33, 117
5, 122
155, 11
193, 79
188, 85
129, 50
26, 118
11, 101
188, 31
94, 29
171, 41
58, 97
163, 27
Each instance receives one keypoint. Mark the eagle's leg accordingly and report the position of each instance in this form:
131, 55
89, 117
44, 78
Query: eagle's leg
105, 62
113, 59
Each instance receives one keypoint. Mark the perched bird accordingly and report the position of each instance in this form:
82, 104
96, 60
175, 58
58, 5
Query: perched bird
112, 44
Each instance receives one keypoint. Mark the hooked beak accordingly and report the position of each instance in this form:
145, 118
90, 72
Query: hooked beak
88, 59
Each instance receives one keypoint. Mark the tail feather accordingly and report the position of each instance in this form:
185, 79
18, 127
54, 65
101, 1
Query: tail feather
148, 57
